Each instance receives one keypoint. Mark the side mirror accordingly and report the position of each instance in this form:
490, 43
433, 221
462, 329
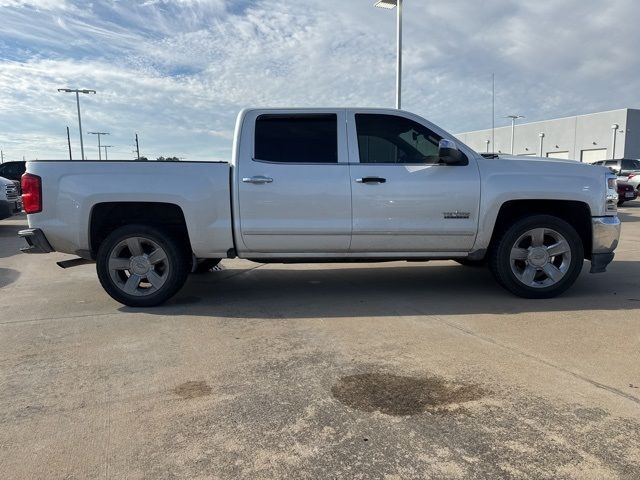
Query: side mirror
448, 152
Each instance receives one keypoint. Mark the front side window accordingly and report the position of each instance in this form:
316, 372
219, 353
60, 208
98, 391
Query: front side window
392, 139
297, 138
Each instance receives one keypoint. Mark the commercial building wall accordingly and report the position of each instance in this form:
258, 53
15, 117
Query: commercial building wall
583, 138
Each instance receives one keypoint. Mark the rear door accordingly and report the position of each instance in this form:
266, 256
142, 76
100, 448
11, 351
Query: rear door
404, 200
294, 192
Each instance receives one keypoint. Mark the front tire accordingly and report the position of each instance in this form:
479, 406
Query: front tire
142, 266
539, 256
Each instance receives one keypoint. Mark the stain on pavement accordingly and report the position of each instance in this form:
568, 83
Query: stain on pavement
188, 390
400, 395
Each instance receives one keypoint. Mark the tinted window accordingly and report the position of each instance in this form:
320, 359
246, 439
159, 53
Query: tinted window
630, 165
391, 139
297, 138
12, 171
609, 163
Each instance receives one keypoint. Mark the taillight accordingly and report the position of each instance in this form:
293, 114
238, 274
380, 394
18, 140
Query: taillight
31, 193
631, 176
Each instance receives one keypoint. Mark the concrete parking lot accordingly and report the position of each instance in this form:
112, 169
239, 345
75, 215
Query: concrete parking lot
367, 371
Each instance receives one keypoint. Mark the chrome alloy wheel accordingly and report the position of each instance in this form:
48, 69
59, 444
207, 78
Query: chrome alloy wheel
540, 258
138, 266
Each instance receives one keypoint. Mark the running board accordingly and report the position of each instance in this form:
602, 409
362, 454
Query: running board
74, 262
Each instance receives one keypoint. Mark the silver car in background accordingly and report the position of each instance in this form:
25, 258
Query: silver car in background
10, 201
627, 170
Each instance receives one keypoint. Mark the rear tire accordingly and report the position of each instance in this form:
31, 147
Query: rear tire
142, 266
539, 256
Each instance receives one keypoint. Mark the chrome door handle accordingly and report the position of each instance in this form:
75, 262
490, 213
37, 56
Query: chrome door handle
372, 180
259, 180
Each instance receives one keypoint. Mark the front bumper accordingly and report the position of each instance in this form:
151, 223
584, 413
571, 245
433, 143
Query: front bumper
36, 241
606, 234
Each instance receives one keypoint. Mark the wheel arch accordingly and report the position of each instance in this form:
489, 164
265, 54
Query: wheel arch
107, 216
575, 213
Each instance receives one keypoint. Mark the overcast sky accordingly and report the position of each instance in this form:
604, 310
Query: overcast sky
178, 71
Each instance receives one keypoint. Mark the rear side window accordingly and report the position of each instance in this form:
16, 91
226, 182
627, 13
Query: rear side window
297, 138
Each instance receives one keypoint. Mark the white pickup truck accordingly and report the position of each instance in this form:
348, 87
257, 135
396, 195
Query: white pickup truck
325, 185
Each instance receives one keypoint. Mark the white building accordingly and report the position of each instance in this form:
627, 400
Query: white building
586, 138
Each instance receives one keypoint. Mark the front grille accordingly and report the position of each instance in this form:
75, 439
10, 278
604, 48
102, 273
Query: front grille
12, 192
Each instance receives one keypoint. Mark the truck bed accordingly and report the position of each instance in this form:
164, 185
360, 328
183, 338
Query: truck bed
71, 190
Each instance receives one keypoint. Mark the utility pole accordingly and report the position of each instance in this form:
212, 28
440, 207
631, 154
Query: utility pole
389, 5
1, 156
105, 151
69, 143
493, 111
98, 134
513, 128
614, 129
78, 92
137, 146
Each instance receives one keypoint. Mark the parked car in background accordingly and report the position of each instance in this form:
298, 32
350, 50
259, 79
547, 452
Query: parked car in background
13, 171
626, 193
624, 168
634, 180
10, 201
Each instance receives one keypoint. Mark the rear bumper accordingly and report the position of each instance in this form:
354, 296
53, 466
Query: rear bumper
36, 241
606, 234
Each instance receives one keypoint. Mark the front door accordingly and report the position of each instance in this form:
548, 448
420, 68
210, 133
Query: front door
403, 199
294, 191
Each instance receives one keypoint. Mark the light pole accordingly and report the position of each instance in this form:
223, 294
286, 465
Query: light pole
513, 128
389, 5
105, 151
541, 135
98, 134
614, 129
78, 92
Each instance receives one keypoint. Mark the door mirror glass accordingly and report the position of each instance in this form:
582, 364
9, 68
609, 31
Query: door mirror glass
449, 153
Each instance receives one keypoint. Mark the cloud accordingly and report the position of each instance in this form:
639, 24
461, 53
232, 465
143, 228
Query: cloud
178, 71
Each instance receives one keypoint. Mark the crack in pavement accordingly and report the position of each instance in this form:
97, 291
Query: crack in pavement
547, 363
